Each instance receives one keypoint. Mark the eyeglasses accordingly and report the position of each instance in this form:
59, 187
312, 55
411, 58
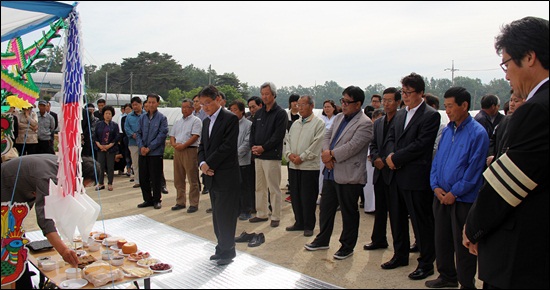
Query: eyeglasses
302, 105
406, 93
346, 102
387, 101
504, 66
206, 104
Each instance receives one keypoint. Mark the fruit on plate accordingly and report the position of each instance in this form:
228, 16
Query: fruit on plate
121, 243
160, 267
129, 248
139, 255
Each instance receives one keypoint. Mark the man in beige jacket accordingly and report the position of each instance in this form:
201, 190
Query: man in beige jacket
303, 151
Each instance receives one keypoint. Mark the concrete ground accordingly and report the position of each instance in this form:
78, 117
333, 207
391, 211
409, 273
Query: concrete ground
362, 270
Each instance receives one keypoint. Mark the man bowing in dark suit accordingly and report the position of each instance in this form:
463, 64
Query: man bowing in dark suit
218, 161
412, 138
509, 221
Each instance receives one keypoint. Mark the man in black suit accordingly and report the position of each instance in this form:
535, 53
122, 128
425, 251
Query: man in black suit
411, 139
218, 161
382, 174
509, 221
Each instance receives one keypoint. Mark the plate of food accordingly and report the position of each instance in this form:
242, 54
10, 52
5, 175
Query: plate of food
147, 262
161, 268
138, 256
100, 237
136, 271
73, 284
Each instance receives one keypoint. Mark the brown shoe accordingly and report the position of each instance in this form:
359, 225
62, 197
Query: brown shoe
274, 224
136, 186
257, 219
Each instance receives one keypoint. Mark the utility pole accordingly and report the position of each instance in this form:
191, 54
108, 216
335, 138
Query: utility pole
106, 74
452, 69
131, 83
209, 74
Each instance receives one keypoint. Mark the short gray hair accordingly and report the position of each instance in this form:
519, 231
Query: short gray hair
271, 86
310, 99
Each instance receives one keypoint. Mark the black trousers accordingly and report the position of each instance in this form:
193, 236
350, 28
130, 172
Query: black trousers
347, 196
449, 221
381, 199
225, 210
151, 171
417, 204
247, 195
304, 189
43, 147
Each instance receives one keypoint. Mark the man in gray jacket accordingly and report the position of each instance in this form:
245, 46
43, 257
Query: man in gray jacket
345, 149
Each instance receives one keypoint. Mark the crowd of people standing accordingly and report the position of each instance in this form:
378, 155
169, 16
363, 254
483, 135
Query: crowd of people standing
475, 190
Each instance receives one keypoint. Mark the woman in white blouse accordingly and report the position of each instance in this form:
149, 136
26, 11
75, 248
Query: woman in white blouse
329, 111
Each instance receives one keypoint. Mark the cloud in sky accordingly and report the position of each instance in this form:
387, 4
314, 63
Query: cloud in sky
306, 43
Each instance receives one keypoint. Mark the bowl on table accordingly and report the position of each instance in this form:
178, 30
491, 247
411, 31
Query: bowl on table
73, 273
117, 261
49, 265
107, 255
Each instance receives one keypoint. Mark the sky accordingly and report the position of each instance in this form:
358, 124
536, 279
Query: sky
305, 43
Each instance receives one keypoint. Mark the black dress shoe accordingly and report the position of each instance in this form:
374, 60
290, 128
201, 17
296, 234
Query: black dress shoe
244, 237
222, 262
208, 210
215, 257
145, 204
192, 209
157, 205
420, 273
373, 246
164, 190
394, 263
440, 283
413, 248
315, 247
294, 228
178, 207
257, 240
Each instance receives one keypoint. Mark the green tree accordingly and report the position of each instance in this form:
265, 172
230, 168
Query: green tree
53, 61
175, 96
231, 93
194, 77
151, 72
376, 89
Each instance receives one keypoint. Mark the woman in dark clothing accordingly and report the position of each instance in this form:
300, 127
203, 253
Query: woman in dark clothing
106, 137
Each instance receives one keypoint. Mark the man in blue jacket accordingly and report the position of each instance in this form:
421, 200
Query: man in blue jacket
151, 138
131, 126
455, 178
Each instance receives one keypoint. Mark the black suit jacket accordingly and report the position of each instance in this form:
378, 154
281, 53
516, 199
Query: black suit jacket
413, 146
378, 150
219, 151
509, 218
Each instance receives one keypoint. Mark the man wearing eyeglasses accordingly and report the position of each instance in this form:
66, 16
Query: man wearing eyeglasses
410, 144
344, 154
508, 224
